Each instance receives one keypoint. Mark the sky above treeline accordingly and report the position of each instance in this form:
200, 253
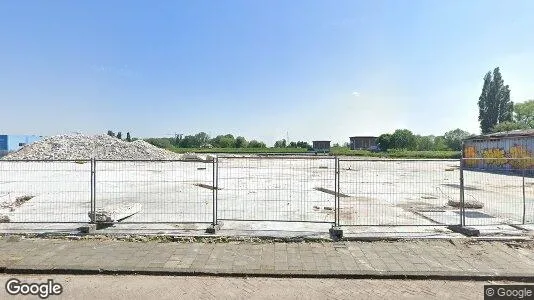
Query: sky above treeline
267, 70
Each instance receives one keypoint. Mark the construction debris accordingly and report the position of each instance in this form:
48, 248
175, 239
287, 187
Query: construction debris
468, 203
4, 218
11, 202
80, 147
115, 213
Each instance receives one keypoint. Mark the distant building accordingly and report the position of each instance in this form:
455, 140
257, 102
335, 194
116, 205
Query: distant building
363, 142
511, 150
10, 143
321, 146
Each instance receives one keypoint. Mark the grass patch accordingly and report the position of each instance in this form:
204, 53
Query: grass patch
335, 151
239, 150
342, 151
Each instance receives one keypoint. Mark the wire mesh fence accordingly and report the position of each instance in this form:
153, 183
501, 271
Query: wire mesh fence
155, 191
398, 192
345, 192
498, 191
45, 191
276, 189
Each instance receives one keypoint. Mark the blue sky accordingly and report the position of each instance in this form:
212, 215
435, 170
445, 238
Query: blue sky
262, 69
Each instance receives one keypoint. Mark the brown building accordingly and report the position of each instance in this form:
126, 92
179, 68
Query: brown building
362, 142
321, 146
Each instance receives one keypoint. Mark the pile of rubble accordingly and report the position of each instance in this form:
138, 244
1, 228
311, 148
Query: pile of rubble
73, 147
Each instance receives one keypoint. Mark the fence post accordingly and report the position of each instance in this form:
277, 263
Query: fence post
524, 198
216, 209
462, 189
214, 193
336, 191
93, 184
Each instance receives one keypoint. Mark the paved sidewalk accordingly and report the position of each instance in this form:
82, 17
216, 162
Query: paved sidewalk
132, 287
414, 258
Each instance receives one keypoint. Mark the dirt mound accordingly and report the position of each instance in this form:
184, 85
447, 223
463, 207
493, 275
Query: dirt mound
72, 147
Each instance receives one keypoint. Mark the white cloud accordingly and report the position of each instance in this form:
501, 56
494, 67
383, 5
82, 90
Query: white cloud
355, 94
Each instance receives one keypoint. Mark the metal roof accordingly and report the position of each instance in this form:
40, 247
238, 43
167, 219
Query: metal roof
505, 134
363, 136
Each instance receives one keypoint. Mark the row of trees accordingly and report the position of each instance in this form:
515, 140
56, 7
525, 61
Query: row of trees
404, 139
203, 140
497, 112
119, 135
300, 144
523, 118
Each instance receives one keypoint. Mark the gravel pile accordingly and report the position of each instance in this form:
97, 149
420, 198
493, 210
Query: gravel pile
71, 147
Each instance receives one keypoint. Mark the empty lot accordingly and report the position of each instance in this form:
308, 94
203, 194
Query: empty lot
383, 192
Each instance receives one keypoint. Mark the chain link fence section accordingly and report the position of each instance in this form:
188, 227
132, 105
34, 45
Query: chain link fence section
280, 189
155, 191
50, 191
497, 191
386, 192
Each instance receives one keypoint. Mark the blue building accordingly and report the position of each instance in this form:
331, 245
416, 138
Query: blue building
9, 143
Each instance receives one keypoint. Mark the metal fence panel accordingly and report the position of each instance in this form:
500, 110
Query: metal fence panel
528, 206
45, 191
502, 191
156, 191
294, 189
398, 192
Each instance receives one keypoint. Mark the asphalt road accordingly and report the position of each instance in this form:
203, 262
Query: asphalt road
192, 287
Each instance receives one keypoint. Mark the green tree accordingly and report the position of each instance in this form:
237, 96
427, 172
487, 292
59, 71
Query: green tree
240, 142
403, 139
189, 141
223, 141
160, 142
227, 142
306, 145
384, 142
201, 139
119, 135
509, 126
494, 102
128, 137
524, 113
454, 138
440, 144
280, 144
256, 144
424, 143
111, 133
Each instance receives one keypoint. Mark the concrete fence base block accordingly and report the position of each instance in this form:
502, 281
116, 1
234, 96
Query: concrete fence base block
89, 228
468, 231
212, 229
336, 233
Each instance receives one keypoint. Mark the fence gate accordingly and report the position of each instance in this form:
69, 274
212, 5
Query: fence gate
280, 189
